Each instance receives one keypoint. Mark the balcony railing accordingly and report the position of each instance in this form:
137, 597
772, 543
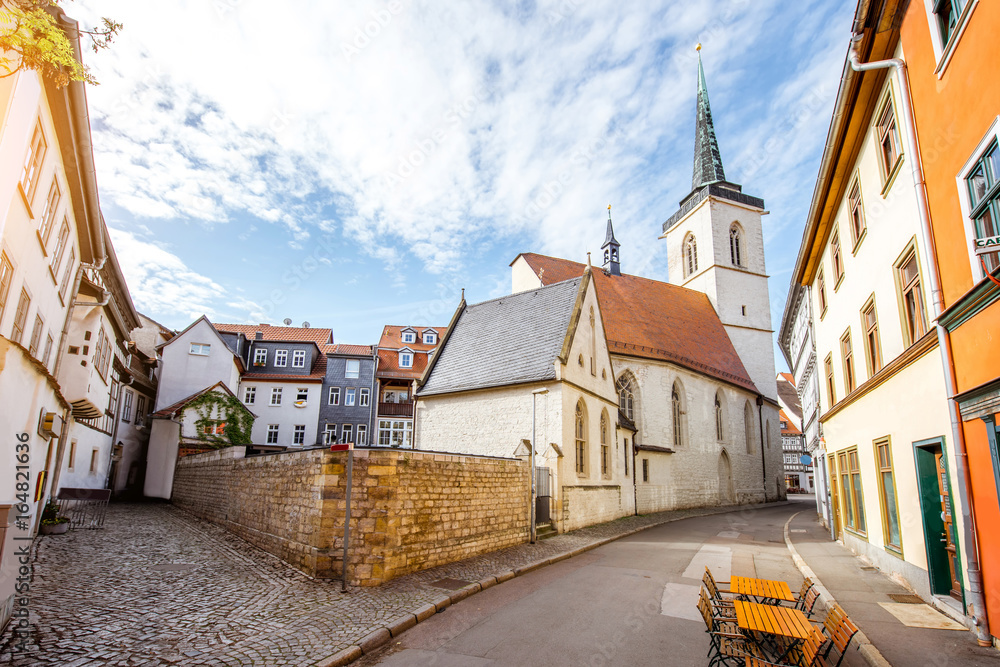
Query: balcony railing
403, 409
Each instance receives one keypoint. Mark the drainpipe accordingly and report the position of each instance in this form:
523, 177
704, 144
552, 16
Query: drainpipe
372, 432
763, 455
978, 602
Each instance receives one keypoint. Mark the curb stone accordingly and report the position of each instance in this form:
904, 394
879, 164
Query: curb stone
867, 650
401, 624
374, 640
340, 658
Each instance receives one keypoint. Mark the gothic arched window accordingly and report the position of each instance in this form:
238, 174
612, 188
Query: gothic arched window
581, 438
736, 245
626, 395
748, 426
690, 255
676, 411
719, 433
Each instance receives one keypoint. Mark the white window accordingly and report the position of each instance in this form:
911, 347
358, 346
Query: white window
127, 406
48, 215
272, 434
302, 394
330, 434
364, 397
250, 395
276, 396
33, 161
362, 438
299, 359
394, 433
299, 436
979, 187
430, 338
347, 432
334, 398
409, 337
353, 368
690, 255
281, 358
349, 396
260, 356
201, 349
405, 360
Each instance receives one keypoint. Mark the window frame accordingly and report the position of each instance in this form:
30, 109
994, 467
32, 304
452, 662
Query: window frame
364, 397
945, 49
904, 288
748, 424
260, 356
605, 448
873, 340
273, 431
406, 360
988, 203
276, 393
837, 259
580, 438
625, 385
408, 336
821, 292
362, 437
720, 432
30, 171
884, 465
61, 242
347, 431
200, 349
690, 255
852, 491
856, 213
333, 396
356, 372
48, 216
280, 358
645, 470
249, 395
330, 434
847, 358
36, 335
831, 383
301, 394
298, 358
350, 394
887, 107
677, 415
21, 315
299, 434
6, 280
432, 336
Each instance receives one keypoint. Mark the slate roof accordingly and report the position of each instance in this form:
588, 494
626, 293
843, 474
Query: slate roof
510, 340
316, 335
350, 350
656, 320
316, 373
789, 395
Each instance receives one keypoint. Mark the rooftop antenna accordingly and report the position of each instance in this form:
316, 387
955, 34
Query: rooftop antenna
288, 321
305, 325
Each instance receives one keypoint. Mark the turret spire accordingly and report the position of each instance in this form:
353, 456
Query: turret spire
707, 160
610, 248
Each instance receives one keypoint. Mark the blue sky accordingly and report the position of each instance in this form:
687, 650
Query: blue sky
357, 164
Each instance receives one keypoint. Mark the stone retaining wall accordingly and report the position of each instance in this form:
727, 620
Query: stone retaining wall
409, 510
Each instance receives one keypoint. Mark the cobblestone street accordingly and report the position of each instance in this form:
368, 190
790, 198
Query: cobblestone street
102, 597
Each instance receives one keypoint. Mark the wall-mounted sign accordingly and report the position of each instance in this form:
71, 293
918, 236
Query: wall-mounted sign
987, 245
806, 460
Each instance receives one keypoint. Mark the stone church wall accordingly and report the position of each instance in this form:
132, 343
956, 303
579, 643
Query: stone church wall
409, 510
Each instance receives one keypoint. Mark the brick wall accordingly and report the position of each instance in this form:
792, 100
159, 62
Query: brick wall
409, 510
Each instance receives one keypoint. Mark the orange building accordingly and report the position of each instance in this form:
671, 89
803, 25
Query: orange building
950, 51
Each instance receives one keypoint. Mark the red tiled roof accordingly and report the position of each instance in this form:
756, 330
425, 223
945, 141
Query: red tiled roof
316, 335
388, 365
788, 377
392, 338
790, 427
656, 320
356, 350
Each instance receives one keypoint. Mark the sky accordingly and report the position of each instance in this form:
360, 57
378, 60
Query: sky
357, 164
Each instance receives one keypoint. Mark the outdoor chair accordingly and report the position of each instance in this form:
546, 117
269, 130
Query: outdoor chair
721, 596
727, 646
840, 638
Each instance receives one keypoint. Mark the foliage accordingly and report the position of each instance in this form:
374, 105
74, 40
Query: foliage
217, 407
50, 515
31, 39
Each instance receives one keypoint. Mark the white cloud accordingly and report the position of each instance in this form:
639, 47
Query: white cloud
432, 127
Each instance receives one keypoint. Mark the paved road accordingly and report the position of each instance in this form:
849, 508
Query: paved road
631, 602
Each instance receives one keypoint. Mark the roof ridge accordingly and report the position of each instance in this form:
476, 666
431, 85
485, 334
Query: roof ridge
524, 293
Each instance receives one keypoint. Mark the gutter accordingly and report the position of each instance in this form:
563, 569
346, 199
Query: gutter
980, 620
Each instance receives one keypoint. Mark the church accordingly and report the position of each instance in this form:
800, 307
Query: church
639, 395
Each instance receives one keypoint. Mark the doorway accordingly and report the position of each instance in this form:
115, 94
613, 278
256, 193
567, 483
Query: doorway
831, 462
726, 495
944, 558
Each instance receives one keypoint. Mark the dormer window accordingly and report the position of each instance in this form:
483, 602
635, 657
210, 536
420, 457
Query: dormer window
299, 359
260, 356
430, 338
281, 358
409, 336
405, 359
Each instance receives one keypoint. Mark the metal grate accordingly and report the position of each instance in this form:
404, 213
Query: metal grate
85, 508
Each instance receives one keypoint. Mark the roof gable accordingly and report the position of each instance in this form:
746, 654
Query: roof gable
656, 320
511, 340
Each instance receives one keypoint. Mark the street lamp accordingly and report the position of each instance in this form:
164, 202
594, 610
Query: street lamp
531, 460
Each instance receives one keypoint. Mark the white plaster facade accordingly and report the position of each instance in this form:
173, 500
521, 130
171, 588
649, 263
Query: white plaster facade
183, 373
285, 415
902, 402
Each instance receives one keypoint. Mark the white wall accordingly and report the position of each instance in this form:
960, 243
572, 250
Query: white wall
183, 374
286, 415
161, 458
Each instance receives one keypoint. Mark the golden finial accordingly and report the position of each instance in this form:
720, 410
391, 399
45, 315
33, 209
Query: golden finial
698, 47
609, 207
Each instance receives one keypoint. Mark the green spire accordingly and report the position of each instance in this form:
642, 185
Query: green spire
707, 160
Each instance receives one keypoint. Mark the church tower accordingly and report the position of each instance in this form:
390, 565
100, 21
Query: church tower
715, 244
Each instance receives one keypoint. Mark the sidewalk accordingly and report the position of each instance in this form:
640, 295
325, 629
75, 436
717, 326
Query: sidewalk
859, 591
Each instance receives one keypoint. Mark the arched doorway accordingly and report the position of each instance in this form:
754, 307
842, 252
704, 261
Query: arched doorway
726, 495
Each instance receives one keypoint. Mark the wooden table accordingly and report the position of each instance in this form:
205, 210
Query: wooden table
773, 620
765, 589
